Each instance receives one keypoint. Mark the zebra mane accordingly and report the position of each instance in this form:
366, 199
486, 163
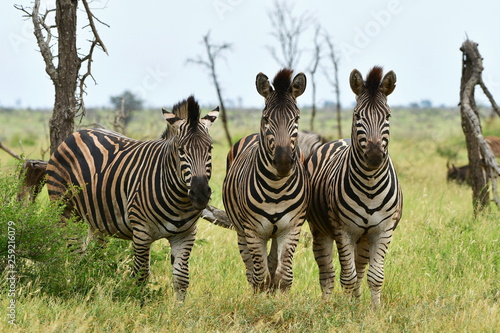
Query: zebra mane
372, 83
188, 109
282, 80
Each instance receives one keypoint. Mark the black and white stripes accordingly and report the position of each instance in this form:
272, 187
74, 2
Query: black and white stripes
140, 190
356, 199
266, 189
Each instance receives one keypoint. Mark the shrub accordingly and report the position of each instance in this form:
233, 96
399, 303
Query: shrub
42, 253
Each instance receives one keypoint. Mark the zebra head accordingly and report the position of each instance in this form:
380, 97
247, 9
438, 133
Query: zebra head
279, 124
192, 145
370, 126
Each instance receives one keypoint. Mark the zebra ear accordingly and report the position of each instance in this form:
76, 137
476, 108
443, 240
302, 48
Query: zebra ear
263, 86
210, 118
171, 118
388, 83
356, 81
298, 85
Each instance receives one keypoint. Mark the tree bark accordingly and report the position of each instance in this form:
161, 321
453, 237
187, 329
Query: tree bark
61, 124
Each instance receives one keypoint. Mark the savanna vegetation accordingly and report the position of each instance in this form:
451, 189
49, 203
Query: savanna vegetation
441, 270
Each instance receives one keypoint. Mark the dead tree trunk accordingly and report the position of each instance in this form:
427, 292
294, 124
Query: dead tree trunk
62, 124
482, 163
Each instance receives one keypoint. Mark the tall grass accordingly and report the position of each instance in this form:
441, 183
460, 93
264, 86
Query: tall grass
441, 272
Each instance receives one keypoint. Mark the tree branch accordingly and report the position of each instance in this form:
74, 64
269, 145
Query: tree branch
43, 43
287, 34
490, 96
217, 216
10, 152
96, 42
97, 38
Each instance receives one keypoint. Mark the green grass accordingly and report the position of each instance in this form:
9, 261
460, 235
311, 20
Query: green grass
441, 272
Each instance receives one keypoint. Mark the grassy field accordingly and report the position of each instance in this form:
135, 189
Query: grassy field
441, 270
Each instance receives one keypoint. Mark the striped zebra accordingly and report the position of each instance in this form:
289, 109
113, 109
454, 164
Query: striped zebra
309, 141
140, 190
266, 189
356, 199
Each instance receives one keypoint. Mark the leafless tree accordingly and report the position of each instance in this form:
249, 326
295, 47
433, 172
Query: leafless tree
312, 71
214, 51
288, 31
63, 66
56, 35
334, 82
482, 163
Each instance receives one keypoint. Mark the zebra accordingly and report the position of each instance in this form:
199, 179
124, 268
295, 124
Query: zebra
140, 190
308, 142
266, 189
356, 199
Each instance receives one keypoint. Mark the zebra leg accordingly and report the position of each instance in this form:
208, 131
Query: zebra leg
375, 277
246, 256
261, 278
142, 246
272, 258
181, 246
362, 258
286, 248
346, 249
323, 252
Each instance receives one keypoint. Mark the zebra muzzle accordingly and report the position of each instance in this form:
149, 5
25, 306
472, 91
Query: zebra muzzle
374, 155
283, 161
200, 192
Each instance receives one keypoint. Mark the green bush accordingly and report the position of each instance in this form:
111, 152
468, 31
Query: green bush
44, 255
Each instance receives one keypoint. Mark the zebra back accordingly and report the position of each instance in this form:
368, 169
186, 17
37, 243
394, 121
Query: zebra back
308, 142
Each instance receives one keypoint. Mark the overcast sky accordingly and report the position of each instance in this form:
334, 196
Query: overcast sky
149, 41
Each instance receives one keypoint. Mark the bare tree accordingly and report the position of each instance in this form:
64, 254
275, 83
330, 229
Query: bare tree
214, 51
334, 82
312, 71
63, 67
65, 74
482, 163
288, 30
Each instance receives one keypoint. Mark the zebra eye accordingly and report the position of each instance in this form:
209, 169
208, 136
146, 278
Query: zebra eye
358, 117
181, 151
297, 119
387, 116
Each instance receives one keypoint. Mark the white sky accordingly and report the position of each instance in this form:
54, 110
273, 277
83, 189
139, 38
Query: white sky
149, 41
